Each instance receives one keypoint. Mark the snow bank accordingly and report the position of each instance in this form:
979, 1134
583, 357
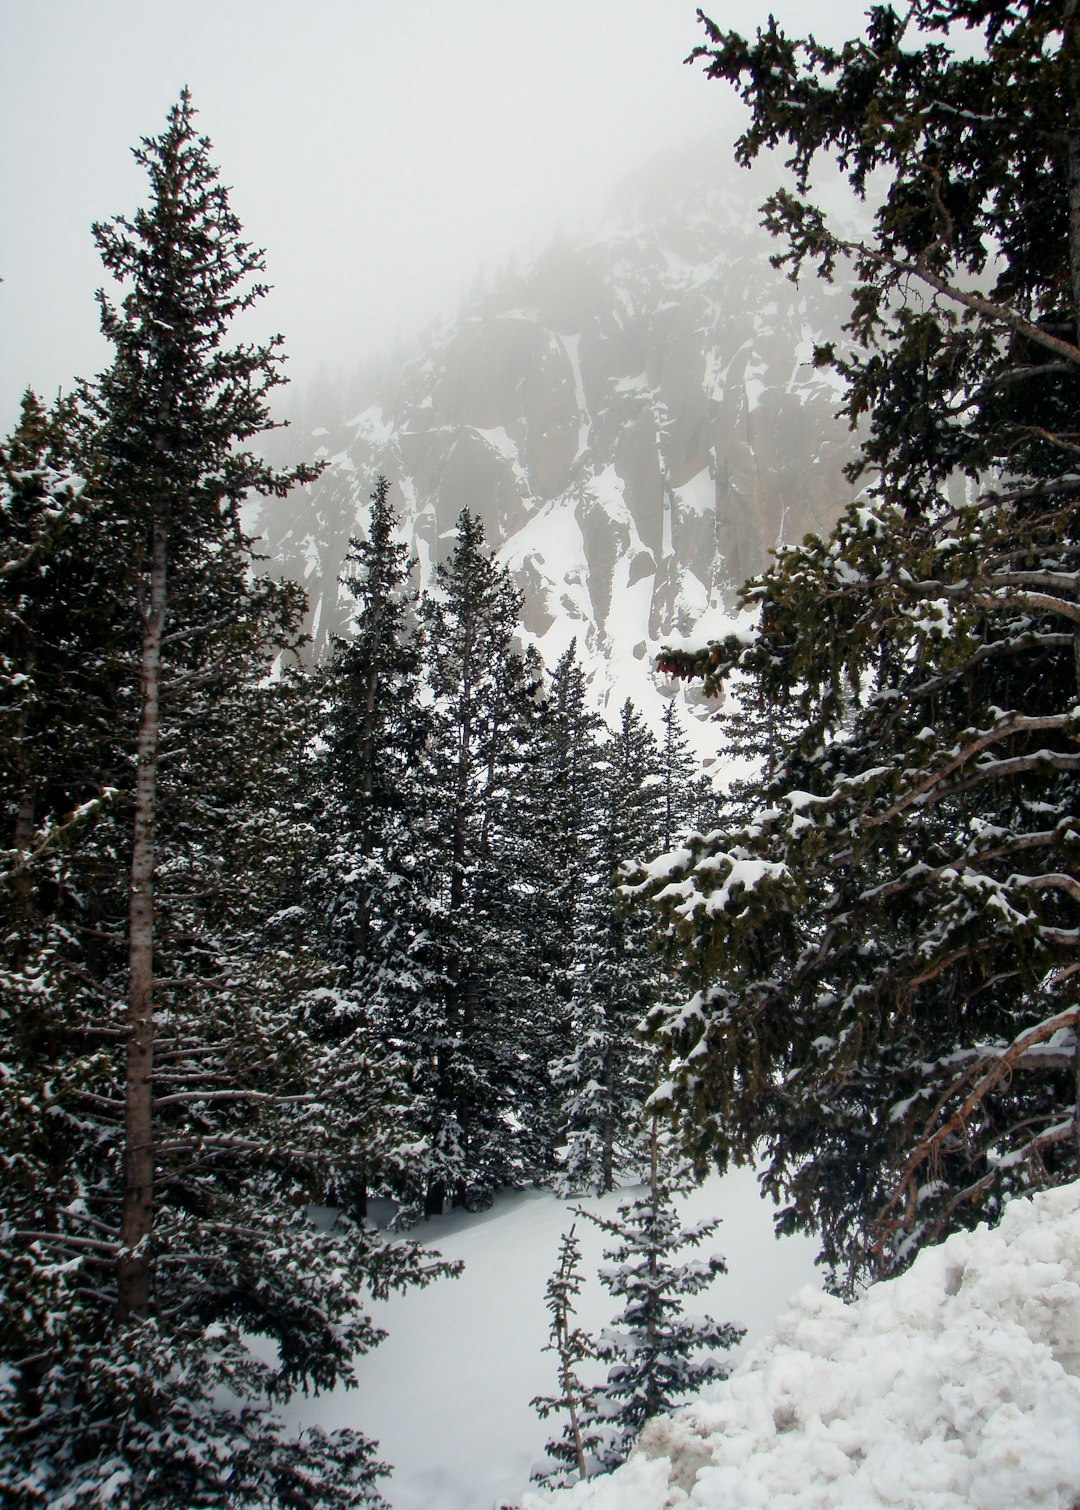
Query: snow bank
953, 1387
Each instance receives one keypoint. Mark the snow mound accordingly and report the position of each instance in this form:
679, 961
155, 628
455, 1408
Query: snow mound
953, 1387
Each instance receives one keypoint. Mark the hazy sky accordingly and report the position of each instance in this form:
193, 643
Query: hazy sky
383, 151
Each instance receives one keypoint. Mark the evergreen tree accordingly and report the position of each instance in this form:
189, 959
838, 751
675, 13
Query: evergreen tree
684, 791
165, 1062
619, 976
366, 771
571, 1452
570, 774
885, 953
55, 634
560, 819
652, 1345
484, 705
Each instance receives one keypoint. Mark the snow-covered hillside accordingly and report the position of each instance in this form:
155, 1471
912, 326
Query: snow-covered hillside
636, 419
953, 1387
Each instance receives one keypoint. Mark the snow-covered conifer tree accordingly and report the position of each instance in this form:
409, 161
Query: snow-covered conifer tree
370, 878
685, 788
560, 822
570, 1453
883, 956
484, 706
658, 1353
605, 1076
188, 1107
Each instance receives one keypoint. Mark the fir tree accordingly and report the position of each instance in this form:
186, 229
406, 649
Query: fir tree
684, 796
560, 817
374, 729
166, 1064
619, 976
55, 639
884, 954
484, 704
572, 1347
653, 1347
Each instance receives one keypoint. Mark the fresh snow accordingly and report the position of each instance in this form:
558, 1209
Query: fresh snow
698, 496
447, 1394
954, 1387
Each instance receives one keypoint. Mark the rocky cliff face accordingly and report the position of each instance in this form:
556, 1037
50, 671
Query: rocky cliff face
636, 419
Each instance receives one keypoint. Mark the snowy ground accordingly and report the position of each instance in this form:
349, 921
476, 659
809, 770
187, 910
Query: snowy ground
447, 1394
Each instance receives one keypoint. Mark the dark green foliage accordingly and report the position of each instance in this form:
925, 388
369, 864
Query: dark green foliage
163, 1401
619, 976
686, 793
653, 1348
562, 818
579, 1442
370, 882
59, 649
884, 948
485, 701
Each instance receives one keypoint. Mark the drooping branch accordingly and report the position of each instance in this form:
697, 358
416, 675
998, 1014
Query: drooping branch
932, 1139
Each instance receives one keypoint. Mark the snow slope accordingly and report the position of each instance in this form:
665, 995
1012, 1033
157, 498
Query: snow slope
953, 1387
447, 1394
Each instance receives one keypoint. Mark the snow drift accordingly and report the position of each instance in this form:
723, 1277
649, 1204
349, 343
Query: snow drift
953, 1387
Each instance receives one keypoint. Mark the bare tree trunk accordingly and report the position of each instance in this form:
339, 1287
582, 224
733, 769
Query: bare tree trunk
136, 1230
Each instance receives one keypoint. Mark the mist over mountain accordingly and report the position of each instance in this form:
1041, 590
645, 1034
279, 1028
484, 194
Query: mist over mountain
635, 417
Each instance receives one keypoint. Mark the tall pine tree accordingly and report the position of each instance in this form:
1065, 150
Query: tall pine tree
371, 878
193, 1110
606, 1076
484, 704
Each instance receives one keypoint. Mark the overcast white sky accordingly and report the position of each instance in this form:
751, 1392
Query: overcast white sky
383, 151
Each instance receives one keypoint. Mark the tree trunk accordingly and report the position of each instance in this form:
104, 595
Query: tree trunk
1071, 52
136, 1230
434, 1198
23, 835
654, 1402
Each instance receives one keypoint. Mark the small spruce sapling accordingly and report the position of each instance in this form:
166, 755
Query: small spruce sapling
653, 1347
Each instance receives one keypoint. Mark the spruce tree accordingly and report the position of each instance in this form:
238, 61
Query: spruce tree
883, 955
560, 817
604, 1079
685, 790
653, 1348
484, 696
370, 880
56, 636
191, 1111
569, 1454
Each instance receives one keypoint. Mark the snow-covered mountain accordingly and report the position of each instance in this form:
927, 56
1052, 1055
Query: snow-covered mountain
636, 419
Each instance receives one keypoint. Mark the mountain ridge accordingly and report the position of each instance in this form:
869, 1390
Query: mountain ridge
636, 418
